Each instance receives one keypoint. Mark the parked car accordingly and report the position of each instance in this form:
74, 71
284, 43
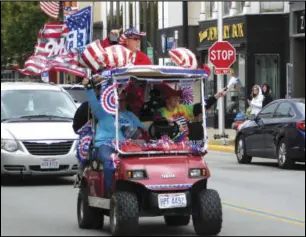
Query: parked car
36, 130
277, 132
76, 91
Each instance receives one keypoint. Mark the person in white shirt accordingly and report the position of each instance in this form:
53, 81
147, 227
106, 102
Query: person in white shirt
257, 99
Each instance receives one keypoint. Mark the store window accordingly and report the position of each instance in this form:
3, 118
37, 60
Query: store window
209, 8
239, 7
235, 98
227, 7
272, 6
267, 71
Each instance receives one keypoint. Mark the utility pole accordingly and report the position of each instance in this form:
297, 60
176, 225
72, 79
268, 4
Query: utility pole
144, 12
118, 15
185, 23
220, 82
152, 21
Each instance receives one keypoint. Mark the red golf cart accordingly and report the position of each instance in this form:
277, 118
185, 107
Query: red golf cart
155, 177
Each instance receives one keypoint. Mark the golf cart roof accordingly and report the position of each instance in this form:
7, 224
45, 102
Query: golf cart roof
159, 72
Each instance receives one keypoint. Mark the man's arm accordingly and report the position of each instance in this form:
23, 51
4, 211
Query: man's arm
92, 99
211, 101
136, 121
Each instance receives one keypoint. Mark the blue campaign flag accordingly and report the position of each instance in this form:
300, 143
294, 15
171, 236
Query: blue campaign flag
79, 25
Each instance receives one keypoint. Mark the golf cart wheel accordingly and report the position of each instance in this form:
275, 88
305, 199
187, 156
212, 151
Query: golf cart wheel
208, 217
124, 213
177, 220
241, 155
283, 161
88, 217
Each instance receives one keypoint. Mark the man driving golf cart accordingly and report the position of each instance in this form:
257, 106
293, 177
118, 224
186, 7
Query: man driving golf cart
105, 132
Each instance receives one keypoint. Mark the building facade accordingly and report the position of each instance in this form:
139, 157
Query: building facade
296, 67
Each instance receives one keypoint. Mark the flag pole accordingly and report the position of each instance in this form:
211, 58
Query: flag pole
89, 72
61, 20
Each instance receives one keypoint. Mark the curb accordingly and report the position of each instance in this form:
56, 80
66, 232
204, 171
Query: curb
221, 148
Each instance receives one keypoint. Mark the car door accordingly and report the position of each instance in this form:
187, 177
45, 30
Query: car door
258, 142
275, 127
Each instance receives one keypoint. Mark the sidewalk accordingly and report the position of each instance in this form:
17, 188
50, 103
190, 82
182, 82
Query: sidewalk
218, 144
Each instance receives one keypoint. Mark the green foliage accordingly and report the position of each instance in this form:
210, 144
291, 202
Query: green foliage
20, 24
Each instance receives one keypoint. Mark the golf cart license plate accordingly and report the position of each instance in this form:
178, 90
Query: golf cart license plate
172, 200
49, 164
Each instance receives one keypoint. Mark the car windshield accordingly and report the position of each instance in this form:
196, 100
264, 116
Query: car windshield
77, 93
301, 106
22, 103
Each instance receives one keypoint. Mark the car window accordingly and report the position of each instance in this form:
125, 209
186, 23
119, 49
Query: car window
78, 94
20, 103
301, 107
268, 111
284, 110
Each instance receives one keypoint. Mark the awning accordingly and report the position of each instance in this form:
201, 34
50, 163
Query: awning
206, 47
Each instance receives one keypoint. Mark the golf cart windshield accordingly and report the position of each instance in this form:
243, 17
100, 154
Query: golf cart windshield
163, 131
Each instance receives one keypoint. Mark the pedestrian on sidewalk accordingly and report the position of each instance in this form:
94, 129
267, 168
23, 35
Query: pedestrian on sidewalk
257, 99
266, 91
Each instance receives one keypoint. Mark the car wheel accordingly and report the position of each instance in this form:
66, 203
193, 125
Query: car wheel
177, 220
207, 219
283, 161
124, 213
241, 155
88, 217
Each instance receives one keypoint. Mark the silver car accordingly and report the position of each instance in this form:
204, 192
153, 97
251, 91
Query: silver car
36, 130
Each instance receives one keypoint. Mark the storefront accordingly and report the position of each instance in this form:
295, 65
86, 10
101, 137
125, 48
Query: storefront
296, 68
165, 41
262, 48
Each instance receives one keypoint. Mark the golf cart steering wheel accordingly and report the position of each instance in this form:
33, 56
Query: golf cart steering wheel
161, 127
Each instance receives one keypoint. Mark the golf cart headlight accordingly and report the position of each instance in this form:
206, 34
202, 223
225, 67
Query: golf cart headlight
193, 173
9, 145
136, 174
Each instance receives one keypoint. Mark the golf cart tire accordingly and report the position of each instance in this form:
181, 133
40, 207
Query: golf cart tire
125, 206
92, 217
208, 217
177, 220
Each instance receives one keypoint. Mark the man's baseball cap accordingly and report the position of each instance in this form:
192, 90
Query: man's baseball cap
130, 32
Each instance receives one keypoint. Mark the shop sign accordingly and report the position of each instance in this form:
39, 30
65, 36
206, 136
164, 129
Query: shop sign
232, 31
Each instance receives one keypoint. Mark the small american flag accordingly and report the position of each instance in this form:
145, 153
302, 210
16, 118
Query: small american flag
46, 59
50, 8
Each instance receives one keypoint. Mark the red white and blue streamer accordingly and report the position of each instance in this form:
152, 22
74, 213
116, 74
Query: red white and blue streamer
85, 139
107, 99
114, 160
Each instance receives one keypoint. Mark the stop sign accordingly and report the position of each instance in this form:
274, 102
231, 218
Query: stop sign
222, 54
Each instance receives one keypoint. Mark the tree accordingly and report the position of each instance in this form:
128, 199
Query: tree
20, 24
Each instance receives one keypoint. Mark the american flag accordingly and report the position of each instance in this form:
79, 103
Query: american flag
46, 58
69, 11
81, 22
50, 8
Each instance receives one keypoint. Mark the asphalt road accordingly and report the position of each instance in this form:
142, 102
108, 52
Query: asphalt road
258, 199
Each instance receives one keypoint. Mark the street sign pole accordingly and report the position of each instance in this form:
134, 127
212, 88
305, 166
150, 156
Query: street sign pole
220, 83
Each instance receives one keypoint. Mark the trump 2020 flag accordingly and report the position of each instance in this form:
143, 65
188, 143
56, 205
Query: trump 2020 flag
79, 25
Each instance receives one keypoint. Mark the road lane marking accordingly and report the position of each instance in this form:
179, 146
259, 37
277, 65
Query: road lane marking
267, 214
